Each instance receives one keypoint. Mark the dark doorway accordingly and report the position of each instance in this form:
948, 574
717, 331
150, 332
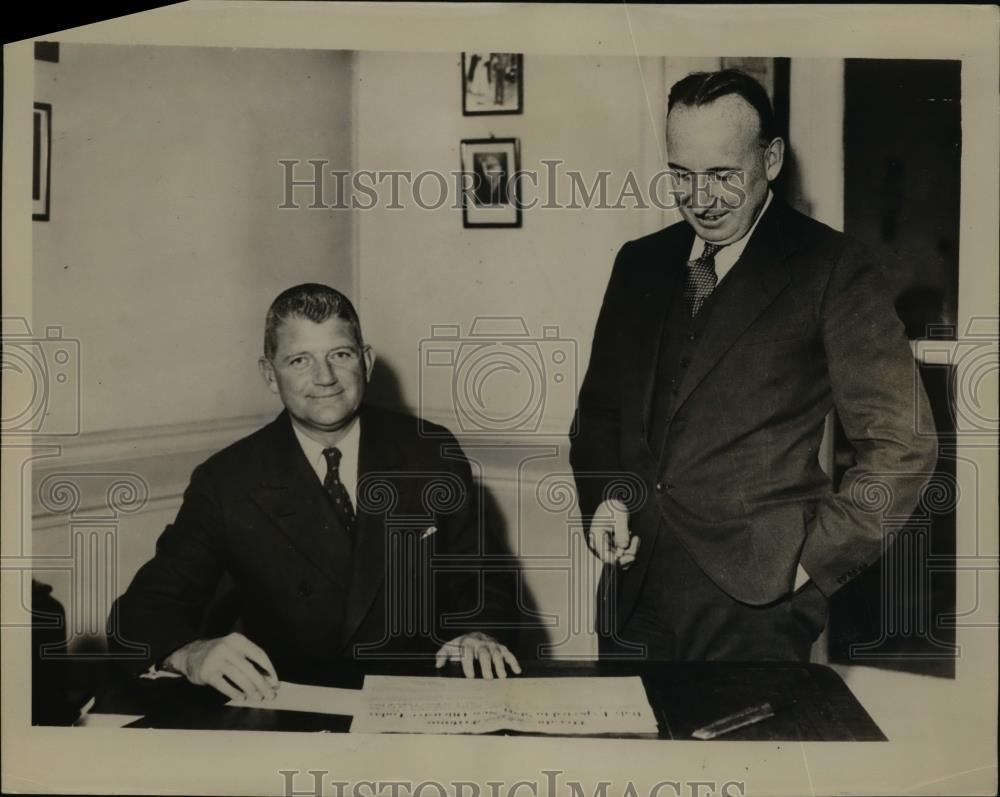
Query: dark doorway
902, 165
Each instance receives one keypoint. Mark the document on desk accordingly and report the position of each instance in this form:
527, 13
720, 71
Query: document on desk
301, 697
392, 704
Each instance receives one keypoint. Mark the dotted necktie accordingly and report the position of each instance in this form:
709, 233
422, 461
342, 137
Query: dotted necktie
338, 493
701, 279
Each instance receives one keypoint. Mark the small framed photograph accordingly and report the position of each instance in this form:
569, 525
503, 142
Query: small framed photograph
492, 83
41, 132
490, 169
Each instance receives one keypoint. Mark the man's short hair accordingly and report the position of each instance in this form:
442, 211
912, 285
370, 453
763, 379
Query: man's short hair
701, 88
312, 301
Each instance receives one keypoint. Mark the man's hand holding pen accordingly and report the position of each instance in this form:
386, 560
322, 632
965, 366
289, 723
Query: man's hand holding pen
609, 538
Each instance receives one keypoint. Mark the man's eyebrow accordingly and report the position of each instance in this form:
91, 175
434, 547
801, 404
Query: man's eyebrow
713, 169
343, 347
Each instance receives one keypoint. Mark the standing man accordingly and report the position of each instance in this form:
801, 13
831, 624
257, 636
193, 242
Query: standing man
722, 343
325, 530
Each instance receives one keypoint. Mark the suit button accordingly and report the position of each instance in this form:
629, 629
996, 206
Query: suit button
305, 589
691, 336
659, 487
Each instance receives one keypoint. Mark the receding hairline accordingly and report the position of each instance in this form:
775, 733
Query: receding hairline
720, 102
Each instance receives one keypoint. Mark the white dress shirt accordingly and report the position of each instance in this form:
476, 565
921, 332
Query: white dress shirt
726, 257
349, 447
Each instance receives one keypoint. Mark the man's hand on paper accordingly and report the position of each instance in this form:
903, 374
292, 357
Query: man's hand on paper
609, 538
477, 646
232, 664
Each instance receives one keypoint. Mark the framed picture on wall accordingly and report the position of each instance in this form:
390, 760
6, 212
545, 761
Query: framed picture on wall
41, 131
492, 83
491, 196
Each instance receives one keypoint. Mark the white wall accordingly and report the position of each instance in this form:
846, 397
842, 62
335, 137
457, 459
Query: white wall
420, 268
165, 247
816, 134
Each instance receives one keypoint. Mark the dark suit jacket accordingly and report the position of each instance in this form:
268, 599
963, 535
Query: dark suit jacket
255, 517
806, 323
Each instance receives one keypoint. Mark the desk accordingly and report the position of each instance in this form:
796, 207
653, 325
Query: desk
812, 703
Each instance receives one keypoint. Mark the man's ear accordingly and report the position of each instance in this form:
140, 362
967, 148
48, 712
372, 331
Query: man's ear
774, 157
267, 371
368, 353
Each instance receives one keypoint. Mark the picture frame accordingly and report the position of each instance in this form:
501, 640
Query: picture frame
491, 193
41, 161
492, 83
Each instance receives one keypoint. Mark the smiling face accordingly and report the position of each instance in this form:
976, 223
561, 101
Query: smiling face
721, 139
320, 371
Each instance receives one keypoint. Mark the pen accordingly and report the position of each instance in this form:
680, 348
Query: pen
738, 720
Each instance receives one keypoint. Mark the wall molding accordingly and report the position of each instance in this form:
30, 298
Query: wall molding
158, 460
119, 444
101, 475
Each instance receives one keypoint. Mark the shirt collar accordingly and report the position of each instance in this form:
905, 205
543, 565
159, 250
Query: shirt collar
349, 446
726, 258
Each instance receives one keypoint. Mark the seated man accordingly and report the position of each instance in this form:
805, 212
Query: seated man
329, 525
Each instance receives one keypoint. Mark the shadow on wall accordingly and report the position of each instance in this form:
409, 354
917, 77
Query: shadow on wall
524, 631
789, 186
526, 634
60, 683
384, 390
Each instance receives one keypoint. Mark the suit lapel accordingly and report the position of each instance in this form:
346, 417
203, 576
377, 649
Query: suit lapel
378, 454
290, 495
753, 283
668, 264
